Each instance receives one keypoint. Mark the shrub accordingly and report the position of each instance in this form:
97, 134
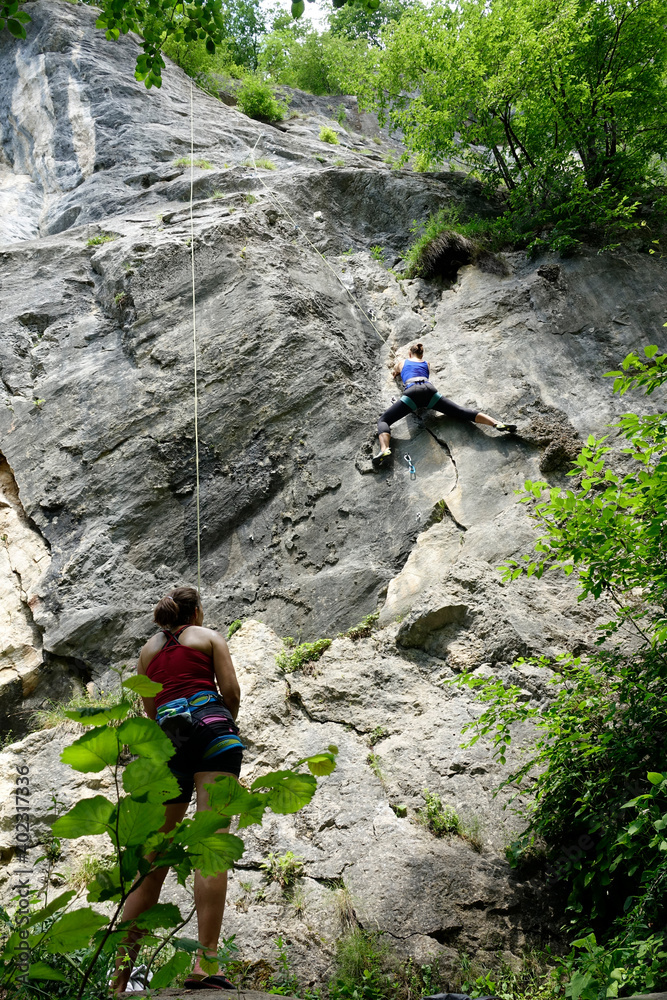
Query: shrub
363, 629
440, 819
377, 252
379, 733
284, 869
256, 99
306, 652
234, 627
95, 241
328, 135
595, 771
373, 762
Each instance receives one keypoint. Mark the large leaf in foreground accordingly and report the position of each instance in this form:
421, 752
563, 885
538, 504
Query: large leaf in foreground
87, 818
93, 751
137, 820
216, 853
145, 738
176, 966
150, 779
289, 791
74, 930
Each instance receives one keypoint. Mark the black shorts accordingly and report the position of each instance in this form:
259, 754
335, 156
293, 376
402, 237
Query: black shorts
200, 746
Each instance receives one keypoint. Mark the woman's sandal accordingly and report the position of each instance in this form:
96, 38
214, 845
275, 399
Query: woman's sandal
209, 983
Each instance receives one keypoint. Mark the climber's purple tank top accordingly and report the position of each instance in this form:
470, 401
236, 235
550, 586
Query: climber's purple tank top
414, 369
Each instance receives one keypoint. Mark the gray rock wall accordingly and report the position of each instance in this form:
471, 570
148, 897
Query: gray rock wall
96, 431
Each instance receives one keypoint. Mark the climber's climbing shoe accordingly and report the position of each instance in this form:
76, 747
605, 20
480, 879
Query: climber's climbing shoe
506, 428
209, 983
381, 457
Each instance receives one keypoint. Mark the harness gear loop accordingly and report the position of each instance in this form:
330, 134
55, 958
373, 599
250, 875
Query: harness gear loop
194, 329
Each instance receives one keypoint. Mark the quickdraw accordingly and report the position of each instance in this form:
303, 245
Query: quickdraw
413, 471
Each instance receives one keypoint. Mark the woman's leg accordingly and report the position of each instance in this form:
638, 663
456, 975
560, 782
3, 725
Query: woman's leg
211, 892
395, 412
141, 899
456, 412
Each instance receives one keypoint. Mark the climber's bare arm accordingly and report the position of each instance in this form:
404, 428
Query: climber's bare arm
396, 370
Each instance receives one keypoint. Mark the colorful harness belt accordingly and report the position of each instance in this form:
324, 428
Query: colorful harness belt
182, 708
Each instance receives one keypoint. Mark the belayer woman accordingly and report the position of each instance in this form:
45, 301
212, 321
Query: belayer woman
199, 717
419, 392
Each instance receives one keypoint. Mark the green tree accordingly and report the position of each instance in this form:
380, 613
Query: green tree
558, 100
358, 21
161, 22
318, 63
602, 736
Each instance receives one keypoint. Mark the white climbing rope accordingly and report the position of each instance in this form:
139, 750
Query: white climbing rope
194, 329
299, 229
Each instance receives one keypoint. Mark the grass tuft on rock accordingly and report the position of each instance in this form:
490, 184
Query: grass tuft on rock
301, 654
445, 243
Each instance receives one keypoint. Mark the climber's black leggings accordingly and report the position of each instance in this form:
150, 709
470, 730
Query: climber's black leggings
421, 394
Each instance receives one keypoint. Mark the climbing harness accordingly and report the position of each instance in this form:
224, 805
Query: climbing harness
338, 278
413, 471
194, 329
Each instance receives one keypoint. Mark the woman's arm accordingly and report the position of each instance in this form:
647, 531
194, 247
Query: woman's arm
398, 365
149, 703
225, 675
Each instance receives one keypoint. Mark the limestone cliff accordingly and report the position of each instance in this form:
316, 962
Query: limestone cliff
96, 430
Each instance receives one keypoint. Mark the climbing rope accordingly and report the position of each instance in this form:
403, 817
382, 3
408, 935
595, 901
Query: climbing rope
338, 278
194, 328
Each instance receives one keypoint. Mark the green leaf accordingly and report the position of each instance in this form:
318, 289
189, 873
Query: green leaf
159, 915
142, 685
176, 966
298, 7
321, 764
73, 930
137, 820
16, 29
87, 818
229, 798
150, 779
145, 738
217, 853
289, 791
655, 777
91, 716
40, 970
94, 750
59, 903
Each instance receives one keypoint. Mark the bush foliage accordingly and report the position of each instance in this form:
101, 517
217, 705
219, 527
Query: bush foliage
597, 773
88, 938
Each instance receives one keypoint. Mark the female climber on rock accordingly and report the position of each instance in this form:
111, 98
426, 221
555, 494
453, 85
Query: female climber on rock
198, 717
419, 392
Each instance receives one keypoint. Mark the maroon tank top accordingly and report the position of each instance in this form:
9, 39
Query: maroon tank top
180, 670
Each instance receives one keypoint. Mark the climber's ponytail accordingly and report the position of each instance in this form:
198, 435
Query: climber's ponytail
177, 608
418, 350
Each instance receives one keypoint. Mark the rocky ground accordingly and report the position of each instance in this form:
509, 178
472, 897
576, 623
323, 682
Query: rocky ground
298, 326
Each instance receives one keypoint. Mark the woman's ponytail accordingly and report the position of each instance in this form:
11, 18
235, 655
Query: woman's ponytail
177, 608
166, 613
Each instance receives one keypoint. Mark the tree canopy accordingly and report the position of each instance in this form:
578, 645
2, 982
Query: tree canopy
552, 98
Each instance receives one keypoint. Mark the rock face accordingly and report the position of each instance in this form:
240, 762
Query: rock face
296, 339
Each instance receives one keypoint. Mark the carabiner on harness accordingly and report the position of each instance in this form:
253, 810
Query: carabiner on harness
413, 471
